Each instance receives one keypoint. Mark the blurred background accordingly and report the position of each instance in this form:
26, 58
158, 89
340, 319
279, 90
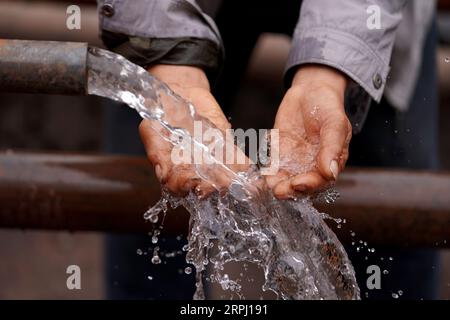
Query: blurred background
33, 263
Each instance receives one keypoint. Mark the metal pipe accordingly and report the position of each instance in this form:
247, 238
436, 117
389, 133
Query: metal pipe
43, 67
110, 193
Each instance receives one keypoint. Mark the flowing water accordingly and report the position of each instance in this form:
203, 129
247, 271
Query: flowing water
300, 256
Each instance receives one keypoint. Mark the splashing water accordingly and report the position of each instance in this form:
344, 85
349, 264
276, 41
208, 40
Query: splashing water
300, 256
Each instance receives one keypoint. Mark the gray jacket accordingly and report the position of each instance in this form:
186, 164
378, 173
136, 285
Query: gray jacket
337, 33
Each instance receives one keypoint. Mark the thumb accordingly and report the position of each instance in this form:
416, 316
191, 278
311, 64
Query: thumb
335, 135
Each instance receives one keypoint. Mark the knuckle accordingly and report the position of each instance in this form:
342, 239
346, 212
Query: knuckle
293, 93
349, 126
143, 126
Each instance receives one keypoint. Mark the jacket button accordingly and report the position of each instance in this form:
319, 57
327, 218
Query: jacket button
377, 81
107, 10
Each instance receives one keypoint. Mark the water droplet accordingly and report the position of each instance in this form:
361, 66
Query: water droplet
390, 258
352, 234
153, 218
139, 252
188, 270
447, 59
170, 254
400, 292
385, 272
156, 259
150, 278
394, 295
330, 197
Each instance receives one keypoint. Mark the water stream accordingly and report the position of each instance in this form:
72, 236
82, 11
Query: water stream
300, 256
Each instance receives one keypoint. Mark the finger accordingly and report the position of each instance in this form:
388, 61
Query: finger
343, 159
333, 137
345, 153
204, 189
273, 180
179, 180
309, 182
190, 185
283, 190
158, 150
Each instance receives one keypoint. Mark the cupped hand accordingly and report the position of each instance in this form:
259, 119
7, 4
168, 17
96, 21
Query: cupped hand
314, 132
192, 85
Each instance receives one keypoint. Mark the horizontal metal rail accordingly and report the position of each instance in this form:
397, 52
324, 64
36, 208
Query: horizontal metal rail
111, 193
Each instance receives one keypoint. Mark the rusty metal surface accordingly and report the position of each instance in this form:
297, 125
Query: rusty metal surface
393, 207
43, 67
104, 193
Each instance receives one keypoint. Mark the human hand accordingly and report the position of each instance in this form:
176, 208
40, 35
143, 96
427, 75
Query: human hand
314, 132
191, 84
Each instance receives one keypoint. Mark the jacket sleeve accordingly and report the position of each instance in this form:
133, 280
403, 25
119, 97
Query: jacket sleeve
340, 34
161, 31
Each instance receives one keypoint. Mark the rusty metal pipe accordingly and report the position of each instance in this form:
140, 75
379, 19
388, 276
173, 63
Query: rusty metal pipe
110, 193
43, 67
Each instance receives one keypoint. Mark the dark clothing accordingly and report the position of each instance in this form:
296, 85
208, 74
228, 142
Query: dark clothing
405, 140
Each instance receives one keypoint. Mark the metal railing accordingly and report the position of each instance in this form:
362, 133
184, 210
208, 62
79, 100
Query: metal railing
111, 193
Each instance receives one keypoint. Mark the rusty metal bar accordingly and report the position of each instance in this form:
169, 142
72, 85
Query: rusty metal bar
110, 193
43, 67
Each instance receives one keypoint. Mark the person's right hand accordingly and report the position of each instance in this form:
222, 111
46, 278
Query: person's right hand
192, 84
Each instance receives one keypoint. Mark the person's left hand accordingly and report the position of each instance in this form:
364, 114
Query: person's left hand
314, 132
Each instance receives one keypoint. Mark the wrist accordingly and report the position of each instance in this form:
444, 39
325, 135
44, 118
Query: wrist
319, 76
181, 76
